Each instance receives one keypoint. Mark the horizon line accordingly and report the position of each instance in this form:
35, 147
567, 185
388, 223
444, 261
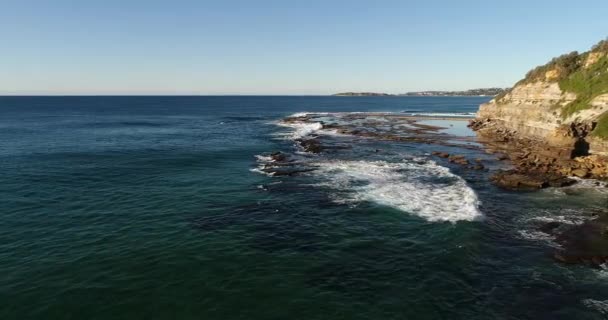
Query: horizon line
234, 95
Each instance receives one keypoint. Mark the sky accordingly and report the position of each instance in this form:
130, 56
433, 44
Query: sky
284, 47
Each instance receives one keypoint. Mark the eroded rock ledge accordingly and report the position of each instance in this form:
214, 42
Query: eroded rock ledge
564, 154
555, 120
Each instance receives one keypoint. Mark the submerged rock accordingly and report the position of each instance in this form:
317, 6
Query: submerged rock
517, 180
288, 171
278, 156
310, 145
479, 166
549, 227
584, 244
459, 159
440, 154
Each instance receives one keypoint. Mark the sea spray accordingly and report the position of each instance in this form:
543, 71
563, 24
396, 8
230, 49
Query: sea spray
416, 186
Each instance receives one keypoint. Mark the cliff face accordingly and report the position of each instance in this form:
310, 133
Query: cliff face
528, 109
561, 108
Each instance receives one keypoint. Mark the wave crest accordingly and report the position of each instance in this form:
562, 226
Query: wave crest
416, 186
302, 129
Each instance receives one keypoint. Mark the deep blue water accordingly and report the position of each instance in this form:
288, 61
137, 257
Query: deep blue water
148, 208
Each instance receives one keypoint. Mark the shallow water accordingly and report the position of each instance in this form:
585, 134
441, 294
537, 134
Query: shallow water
458, 128
149, 207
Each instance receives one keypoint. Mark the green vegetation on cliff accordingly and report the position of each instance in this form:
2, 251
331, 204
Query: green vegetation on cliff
561, 67
601, 129
587, 83
585, 75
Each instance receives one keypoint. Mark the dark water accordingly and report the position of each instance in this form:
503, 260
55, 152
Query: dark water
147, 208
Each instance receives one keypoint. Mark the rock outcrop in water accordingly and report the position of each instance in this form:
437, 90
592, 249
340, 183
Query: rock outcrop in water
554, 121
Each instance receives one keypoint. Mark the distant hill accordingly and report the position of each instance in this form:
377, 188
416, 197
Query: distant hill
473, 92
362, 94
468, 93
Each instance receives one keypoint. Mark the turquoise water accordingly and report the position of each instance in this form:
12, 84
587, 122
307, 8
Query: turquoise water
458, 128
149, 208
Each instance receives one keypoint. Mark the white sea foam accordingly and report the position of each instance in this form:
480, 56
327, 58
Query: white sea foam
305, 114
562, 215
302, 129
262, 158
260, 171
299, 114
601, 306
415, 186
602, 273
596, 185
535, 235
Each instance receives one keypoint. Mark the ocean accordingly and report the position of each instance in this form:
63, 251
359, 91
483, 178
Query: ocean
156, 207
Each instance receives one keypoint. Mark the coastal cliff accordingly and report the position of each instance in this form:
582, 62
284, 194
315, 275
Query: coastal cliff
556, 118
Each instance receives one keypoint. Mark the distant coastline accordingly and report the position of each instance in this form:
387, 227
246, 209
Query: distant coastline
362, 94
482, 92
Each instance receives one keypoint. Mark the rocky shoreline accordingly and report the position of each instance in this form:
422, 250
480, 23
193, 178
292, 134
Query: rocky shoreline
539, 165
536, 163
533, 165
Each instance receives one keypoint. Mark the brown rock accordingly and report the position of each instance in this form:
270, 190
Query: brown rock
440, 154
516, 180
459, 159
549, 227
311, 145
584, 244
278, 156
288, 171
597, 172
560, 257
581, 173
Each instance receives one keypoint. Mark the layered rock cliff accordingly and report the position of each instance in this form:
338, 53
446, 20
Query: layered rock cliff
558, 114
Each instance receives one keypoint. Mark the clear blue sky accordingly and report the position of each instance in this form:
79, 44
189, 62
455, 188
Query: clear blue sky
283, 47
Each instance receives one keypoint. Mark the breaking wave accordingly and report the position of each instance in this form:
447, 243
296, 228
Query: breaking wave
416, 186
601, 306
562, 215
302, 129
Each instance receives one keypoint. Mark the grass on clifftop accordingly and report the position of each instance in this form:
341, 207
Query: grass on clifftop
563, 66
586, 83
601, 129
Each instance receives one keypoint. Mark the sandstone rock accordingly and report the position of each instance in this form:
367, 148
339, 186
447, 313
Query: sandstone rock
440, 154
529, 120
515, 180
458, 159
581, 173
478, 166
598, 172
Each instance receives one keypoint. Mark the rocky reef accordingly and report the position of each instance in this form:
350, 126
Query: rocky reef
553, 122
